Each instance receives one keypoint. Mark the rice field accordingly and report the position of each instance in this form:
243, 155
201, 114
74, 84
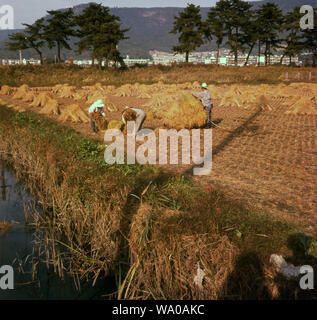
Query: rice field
264, 157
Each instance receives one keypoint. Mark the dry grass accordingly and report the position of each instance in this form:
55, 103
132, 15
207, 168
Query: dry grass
170, 260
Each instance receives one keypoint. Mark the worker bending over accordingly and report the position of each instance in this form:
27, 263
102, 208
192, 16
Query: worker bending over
96, 110
205, 98
134, 114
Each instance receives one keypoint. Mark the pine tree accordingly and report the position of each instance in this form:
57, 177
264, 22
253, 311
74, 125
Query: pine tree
189, 25
236, 16
100, 32
31, 38
58, 30
271, 20
216, 25
293, 46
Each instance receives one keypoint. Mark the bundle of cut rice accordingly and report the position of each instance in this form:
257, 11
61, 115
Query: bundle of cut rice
125, 91
114, 124
304, 105
6, 90
41, 99
73, 113
57, 88
96, 95
83, 95
186, 112
263, 102
21, 92
51, 108
29, 97
67, 92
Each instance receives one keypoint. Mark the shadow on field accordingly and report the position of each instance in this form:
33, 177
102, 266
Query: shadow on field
247, 281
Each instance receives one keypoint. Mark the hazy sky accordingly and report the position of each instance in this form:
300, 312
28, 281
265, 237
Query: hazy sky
27, 11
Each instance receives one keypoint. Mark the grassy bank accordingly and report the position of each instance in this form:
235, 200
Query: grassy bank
73, 75
150, 230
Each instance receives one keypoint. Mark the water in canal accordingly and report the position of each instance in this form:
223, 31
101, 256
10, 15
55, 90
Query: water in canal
16, 246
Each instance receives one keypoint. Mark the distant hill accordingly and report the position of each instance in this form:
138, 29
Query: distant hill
150, 29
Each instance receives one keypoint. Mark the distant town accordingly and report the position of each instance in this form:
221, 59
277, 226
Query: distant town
167, 58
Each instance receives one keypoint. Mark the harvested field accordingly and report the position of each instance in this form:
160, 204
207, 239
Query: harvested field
267, 158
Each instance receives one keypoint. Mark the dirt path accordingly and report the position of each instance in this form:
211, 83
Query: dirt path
272, 165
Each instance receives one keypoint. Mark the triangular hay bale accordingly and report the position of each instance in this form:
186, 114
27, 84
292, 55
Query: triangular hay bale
186, 112
263, 102
81, 95
67, 92
6, 90
21, 92
51, 108
29, 97
73, 113
114, 124
95, 95
303, 106
41, 100
57, 88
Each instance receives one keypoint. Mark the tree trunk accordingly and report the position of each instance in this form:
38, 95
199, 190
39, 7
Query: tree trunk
236, 49
59, 52
281, 61
187, 56
218, 53
40, 54
259, 62
246, 62
100, 63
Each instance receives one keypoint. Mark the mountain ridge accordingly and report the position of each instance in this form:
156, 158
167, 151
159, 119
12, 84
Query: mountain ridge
149, 29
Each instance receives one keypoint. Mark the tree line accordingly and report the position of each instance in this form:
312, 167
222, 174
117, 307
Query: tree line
232, 23
98, 31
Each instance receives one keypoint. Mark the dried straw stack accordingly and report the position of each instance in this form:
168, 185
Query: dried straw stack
304, 105
21, 92
186, 112
41, 100
50, 108
6, 90
73, 113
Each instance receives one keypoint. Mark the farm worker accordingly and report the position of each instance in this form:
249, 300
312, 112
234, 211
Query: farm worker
205, 98
97, 108
134, 114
